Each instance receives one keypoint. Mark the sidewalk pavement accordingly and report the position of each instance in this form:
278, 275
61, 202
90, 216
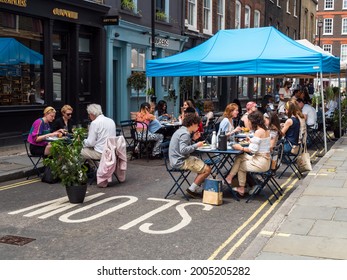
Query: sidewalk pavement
311, 223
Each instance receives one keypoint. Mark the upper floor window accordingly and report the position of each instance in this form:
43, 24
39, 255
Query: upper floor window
294, 8
328, 4
343, 56
162, 10
192, 11
130, 5
220, 14
344, 4
278, 3
256, 18
208, 16
344, 26
328, 48
328, 26
237, 15
247, 17
288, 7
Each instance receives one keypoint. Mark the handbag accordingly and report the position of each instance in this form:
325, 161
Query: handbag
295, 148
303, 161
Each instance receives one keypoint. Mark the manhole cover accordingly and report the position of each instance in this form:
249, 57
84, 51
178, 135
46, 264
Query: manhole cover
15, 240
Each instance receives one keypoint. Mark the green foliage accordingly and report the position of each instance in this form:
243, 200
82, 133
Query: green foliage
336, 122
150, 91
329, 93
127, 4
65, 160
160, 15
137, 80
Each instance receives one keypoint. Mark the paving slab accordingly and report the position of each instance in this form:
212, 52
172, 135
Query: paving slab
296, 226
332, 229
312, 212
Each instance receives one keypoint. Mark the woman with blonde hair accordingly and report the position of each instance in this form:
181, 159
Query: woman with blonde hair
231, 111
64, 122
40, 131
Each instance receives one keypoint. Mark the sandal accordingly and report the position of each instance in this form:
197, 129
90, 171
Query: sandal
236, 189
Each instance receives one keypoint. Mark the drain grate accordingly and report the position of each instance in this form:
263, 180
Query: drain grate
15, 240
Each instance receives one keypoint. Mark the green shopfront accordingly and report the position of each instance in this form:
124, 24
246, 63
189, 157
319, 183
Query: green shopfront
51, 53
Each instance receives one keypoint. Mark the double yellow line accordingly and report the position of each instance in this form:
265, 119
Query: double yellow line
19, 184
250, 219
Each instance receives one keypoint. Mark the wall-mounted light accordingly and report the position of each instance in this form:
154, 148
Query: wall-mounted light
116, 34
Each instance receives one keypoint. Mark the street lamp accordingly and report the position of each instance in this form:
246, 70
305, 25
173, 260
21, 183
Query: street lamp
320, 25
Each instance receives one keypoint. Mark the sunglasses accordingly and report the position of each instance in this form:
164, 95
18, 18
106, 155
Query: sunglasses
70, 114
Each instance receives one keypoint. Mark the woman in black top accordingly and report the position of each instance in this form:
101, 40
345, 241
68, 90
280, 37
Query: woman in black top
64, 122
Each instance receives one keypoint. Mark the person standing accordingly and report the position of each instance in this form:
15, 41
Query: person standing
180, 150
100, 129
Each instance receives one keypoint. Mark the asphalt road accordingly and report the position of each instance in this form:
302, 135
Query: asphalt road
129, 221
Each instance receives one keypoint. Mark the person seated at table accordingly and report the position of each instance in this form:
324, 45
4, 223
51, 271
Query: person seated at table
161, 111
40, 131
259, 158
180, 150
291, 128
226, 125
208, 110
250, 107
308, 111
100, 129
186, 104
64, 122
272, 122
145, 116
284, 95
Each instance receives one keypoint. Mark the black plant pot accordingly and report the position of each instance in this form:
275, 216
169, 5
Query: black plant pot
76, 194
337, 132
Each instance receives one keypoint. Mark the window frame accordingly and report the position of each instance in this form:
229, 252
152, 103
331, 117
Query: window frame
237, 14
207, 17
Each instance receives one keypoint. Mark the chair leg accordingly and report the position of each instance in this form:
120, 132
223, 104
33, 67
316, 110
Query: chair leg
35, 168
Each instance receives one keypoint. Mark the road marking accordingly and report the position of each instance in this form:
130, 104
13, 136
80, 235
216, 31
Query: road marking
19, 184
255, 214
246, 223
257, 224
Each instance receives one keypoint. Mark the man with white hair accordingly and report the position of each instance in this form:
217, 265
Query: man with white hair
100, 129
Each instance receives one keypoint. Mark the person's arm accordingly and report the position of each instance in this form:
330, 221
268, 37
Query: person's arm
92, 136
287, 124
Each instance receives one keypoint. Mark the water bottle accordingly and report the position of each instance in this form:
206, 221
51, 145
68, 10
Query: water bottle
222, 143
214, 140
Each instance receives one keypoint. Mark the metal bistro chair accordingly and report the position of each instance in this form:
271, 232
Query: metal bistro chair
126, 128
35, 159
290, 160
267, 178
141, 142
179, 176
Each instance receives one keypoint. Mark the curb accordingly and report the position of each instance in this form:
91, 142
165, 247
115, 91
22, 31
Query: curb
257, 245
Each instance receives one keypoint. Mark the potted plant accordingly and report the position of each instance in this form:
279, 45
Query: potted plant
67, 165
160, 15
137, 80
336, 121
127, 5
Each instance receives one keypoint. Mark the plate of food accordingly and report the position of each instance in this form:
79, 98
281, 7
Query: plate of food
244, 143
206, 147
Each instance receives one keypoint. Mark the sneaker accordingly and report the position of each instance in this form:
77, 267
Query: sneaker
192, 194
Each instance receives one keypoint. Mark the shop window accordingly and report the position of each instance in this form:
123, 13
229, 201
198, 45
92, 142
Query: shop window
242, 92
138, 60
21, 60
84, 45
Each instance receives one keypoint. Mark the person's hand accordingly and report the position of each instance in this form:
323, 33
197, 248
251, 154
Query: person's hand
237, 147
200, 144
237, 129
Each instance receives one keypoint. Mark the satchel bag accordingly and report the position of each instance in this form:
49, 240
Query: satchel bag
295, 148
47, 176
304, 161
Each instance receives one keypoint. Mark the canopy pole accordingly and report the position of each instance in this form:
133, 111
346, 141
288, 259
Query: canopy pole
339, 102
323, 113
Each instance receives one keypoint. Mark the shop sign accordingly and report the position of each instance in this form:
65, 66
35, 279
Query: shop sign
160, 42
19, 3
64, 13
110, 20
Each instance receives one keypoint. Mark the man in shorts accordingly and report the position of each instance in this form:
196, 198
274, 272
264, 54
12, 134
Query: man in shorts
180, 149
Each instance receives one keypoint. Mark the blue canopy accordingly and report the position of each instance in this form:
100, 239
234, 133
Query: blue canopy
12, 52
245, 52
